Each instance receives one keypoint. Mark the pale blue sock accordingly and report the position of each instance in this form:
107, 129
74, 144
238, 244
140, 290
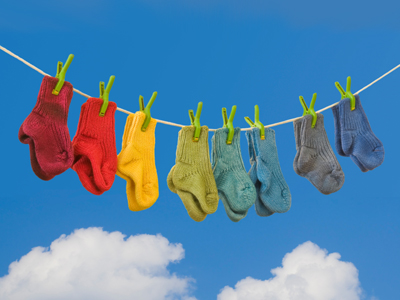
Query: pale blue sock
275, 196
235, 188
261, 209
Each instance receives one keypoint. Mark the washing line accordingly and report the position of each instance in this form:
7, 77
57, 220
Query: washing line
179, 125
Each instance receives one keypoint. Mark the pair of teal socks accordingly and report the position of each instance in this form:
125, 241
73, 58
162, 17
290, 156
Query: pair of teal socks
273, 194
235, 189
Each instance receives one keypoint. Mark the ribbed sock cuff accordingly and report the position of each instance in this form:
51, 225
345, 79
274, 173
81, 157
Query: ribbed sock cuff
353, 119
91, 124
56, 106
189, 151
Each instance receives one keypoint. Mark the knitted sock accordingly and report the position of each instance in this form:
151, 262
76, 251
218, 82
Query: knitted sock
315, 159
235, 188
136, 163
46, 131
275, 195
192, 176
191, 203
261, 209
338, 131
358, 140
94, 147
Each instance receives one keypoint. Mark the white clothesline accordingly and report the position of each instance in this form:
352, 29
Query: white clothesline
179, 125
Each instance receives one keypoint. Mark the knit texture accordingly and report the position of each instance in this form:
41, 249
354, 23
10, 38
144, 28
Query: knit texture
315, 159
46, 131
136, 162
354, 136
192, 177
94, 147
234, 185
274, 194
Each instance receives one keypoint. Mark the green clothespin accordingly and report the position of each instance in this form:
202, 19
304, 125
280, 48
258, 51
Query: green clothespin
309, 111
257, 122
146, 109
61, 74
347, 94
104, 95
196, 121
228, 123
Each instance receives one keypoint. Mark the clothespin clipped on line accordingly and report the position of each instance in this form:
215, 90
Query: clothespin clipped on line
195, 120
61, 71
347, 93
228, 123
146, 109
104, 95
257, 122
309, 110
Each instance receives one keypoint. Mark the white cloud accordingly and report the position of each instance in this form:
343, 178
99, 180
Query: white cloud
307, 273
95, 264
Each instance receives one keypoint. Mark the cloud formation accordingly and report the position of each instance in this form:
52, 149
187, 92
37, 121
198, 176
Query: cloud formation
95, 264
307, 273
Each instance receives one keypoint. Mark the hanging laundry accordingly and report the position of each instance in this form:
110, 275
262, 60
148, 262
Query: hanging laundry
235, 188
94, 147
46, 131
315, 159
136, 162
192, 177
354, 137
273, 194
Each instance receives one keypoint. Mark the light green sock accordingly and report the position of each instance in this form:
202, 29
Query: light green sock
192, 177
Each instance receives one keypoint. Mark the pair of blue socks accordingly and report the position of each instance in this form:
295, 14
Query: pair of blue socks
235, 188
354, 137
273, 194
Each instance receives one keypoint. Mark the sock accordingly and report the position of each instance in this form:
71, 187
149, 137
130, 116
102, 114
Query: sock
94, 147
234, 185
338, 131
136, 163
191, 203
261, 209
276, 194
358, 140
46, 131
315, 159
192, 177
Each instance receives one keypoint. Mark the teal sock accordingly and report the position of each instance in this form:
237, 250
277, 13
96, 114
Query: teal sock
235, 188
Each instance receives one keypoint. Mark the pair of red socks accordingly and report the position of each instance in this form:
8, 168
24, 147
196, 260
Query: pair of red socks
92, 153
46, 131
94, 146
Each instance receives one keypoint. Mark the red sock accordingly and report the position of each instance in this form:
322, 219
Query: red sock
94, 147
46, 131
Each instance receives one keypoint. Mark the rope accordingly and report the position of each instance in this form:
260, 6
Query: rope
179, 125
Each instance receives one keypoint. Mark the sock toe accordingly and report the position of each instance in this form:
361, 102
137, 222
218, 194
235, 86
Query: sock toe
210, 204
333, 182
192, 206
261, 209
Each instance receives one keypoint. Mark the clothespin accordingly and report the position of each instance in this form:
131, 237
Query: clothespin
61, 71
146, 109
104, 94
310, 110
347, 94
257, 122
196, 121
228, 123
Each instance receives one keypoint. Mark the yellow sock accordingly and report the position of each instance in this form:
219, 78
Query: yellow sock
136, 163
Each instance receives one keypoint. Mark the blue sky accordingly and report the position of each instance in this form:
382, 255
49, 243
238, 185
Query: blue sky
223, 53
